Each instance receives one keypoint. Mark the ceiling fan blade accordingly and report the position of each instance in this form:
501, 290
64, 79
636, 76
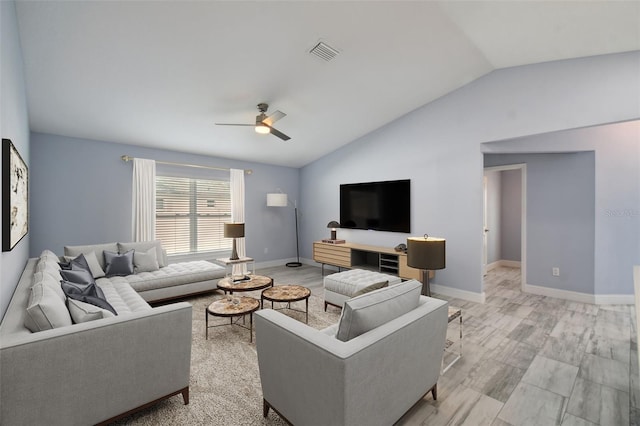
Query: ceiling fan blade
234, 124
278, 133
273, 118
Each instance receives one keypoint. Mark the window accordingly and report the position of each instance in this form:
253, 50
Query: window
190, 214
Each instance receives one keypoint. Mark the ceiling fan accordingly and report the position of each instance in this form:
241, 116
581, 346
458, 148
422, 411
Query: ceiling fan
264, 123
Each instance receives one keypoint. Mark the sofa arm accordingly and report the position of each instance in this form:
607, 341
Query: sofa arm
91, 372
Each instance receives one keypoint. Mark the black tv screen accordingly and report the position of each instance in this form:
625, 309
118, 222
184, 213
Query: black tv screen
379, 206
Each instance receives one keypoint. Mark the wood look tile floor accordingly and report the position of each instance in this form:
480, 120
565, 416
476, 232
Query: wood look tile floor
535, 360
528, 360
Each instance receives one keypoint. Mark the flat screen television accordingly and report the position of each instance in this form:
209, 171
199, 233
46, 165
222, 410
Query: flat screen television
378, 206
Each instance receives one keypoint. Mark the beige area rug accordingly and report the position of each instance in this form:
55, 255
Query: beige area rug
225, 381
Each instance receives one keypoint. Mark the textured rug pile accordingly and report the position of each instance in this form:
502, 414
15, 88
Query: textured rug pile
225, 381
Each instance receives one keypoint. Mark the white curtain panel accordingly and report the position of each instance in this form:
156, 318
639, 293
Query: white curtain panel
144, 199
237, 215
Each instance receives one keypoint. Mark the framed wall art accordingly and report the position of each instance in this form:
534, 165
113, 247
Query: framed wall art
15, 196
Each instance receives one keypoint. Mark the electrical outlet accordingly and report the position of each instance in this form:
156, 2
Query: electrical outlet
555, 271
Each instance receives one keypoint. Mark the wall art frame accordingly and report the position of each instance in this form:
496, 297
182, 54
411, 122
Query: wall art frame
15, 196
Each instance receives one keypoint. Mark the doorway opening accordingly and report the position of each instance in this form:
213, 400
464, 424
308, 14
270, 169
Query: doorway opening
505, 219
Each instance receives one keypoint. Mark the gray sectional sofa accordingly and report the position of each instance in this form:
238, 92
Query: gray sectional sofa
87, 366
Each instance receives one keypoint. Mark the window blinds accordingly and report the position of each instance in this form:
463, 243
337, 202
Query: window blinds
190, 214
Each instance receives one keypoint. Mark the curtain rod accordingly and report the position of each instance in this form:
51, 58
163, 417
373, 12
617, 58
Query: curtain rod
127, 158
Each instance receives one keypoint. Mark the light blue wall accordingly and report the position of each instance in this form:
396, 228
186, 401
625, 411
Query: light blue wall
617, 194
14, 125
511, 215
81, 194
560, 218
494, 214
438, 147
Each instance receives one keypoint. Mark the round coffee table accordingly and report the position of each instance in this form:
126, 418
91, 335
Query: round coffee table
227, 308
288, 294
255, 282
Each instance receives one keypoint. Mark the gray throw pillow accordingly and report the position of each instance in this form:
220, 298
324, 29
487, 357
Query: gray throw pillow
146, 261
374, 286
79, 276
88, 293
92, 261
118, 264
76, 263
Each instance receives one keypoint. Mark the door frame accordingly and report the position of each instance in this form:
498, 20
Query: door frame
523, 216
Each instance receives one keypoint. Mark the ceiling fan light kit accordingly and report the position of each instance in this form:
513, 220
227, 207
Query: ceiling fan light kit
264, 122
262, 129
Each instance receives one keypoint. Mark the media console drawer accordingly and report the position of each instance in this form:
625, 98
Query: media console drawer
332, 254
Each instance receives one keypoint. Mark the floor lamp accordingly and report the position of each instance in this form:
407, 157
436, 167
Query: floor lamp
281, 200
427, 254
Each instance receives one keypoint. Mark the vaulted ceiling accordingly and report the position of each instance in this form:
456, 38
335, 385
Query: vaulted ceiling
161, 73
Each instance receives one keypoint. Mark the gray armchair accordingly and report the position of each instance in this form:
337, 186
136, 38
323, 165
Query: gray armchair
309, 377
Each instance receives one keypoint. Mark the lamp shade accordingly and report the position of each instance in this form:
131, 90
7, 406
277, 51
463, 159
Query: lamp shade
426, 253
277, 200
333, 224
234, 230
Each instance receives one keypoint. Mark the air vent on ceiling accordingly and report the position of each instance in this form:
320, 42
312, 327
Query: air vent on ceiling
324, 51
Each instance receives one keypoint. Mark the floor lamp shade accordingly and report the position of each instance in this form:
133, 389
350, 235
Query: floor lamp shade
426, 253
234, 230
277, 200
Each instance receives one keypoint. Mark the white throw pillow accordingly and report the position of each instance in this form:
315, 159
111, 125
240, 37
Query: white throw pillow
371, 310
45, 310
53, 283
83, 312
146, 261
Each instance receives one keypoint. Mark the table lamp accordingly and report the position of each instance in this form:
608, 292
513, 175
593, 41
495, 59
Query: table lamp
234, 230
333, 225
427, 254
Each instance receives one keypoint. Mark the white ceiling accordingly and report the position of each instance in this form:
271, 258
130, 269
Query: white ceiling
160, 74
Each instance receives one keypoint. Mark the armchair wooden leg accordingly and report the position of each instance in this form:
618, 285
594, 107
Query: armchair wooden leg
265, 408
434, 391
185, 395
325, 306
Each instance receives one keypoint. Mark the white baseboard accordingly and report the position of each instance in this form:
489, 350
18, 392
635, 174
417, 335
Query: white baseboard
574, 296
506, 263
457, 293
615, 299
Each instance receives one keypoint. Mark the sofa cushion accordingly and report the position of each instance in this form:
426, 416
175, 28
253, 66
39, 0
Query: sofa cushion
53, 283
45, 310
145, 261
173, 275
370, 288
84, 312
143, 246
118, 264
122, 296
371, 310
49, 267
97, 249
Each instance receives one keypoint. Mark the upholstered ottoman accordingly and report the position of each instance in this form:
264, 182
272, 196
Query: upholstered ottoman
343, 286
